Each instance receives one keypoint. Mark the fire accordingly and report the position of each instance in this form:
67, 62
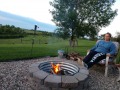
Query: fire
55, 68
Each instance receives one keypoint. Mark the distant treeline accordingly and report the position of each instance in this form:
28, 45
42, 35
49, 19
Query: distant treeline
38, 32
7, 31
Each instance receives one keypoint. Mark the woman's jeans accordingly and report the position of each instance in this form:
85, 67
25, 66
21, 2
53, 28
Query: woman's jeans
93, 57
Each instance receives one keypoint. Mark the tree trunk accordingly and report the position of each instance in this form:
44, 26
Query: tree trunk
73, 42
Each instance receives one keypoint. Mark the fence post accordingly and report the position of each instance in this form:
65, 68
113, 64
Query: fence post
32, 46
21, 40
39, 41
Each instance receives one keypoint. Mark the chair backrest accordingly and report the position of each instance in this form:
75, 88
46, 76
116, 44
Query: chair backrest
111, 59
117, 46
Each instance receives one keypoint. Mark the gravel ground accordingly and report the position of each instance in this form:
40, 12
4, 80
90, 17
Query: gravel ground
15, 76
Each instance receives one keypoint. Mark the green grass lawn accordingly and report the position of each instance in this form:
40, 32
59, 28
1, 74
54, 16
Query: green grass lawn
23, 51
13, 49
28, 40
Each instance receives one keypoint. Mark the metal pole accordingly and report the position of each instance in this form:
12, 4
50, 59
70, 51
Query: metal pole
33, 40
35, 28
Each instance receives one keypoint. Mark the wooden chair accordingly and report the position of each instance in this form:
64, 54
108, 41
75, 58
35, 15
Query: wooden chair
109, 60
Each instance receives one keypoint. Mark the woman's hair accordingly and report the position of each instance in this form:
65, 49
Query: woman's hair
109, 34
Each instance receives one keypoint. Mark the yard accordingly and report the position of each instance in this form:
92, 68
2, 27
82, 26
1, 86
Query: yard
15, 74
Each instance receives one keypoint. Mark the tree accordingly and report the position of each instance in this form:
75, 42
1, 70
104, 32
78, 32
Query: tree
62, 33
82, 17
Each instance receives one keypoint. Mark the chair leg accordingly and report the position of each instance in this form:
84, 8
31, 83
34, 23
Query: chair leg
106, 66
106, 71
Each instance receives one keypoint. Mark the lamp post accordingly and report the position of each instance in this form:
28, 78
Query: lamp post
35, 28
33, 40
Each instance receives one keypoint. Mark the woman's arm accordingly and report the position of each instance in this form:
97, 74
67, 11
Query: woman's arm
112, 49
96, 45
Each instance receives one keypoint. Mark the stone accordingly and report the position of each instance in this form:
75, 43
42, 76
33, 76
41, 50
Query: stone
80, 76
53, 81
35, 64
32, 70
84, 71
40, 75
69, 82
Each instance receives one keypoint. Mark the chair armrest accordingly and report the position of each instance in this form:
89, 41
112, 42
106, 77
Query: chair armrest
106, 61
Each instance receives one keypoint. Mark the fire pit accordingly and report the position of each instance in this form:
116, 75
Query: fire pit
59, 68
59, 73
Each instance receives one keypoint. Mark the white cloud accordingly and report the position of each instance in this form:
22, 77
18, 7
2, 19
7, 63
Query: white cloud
10, 19
36, 9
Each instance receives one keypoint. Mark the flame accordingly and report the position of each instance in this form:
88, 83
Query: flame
55, 68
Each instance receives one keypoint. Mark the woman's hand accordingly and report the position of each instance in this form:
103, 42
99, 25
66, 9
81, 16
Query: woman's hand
108, 54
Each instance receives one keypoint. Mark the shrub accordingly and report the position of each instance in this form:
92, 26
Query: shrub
118, 58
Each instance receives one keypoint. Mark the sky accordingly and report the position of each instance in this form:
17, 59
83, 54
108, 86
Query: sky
36, 9
115, 24
39, 10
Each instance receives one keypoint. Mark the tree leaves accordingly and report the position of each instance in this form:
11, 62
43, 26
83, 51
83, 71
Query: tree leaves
82, 17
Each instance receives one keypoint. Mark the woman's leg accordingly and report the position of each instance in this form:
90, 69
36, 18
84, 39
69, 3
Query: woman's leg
98, 57
89, 56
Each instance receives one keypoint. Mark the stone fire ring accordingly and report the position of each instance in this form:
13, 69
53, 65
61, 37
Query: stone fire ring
59, 81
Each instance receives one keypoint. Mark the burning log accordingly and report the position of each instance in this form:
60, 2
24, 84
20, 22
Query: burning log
53, 72
55, 68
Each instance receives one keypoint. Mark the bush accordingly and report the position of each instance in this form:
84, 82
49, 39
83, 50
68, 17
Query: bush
118, 58
10, 36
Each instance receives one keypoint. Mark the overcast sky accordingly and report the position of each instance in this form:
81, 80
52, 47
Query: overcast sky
39, 10
36, 9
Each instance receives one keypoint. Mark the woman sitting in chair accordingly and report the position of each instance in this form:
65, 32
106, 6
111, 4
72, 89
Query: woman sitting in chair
99, 52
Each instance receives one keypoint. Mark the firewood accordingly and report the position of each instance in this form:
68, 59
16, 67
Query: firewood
74, 56
71, 58
81, 58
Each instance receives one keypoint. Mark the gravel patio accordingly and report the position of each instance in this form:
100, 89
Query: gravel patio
15, 76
